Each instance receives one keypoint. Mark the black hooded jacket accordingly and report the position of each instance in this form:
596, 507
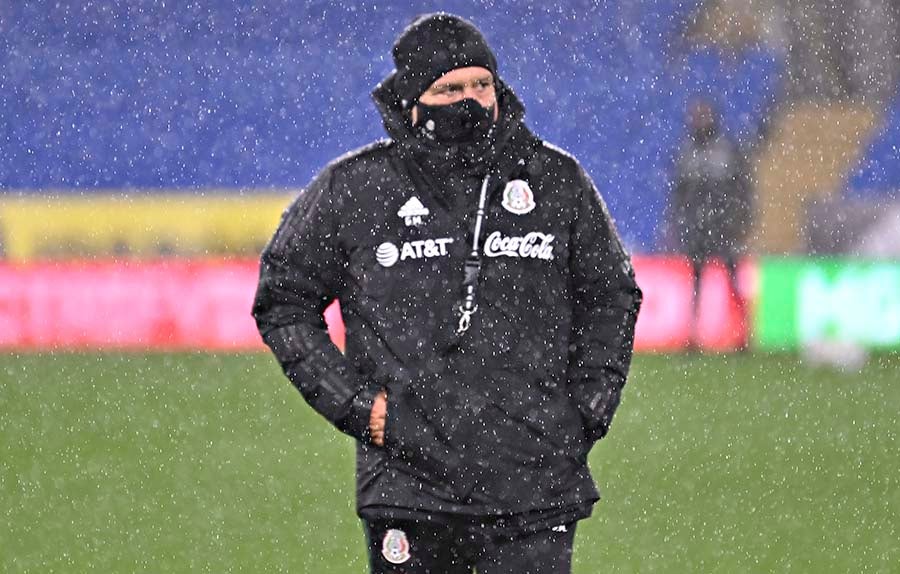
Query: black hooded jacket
496, 422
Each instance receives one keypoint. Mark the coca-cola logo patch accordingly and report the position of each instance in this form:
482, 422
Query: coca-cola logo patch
534, 245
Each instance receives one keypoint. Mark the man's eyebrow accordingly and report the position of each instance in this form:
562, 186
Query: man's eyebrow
446, 85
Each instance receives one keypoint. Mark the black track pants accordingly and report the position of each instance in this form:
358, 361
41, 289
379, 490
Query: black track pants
416, 547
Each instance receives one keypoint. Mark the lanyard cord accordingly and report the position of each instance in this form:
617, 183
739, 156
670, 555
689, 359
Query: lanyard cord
473, 265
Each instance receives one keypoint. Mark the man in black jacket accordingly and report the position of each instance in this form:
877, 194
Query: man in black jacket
489, 309
711, 204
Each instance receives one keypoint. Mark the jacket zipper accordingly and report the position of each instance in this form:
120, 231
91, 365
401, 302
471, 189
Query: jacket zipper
473, 265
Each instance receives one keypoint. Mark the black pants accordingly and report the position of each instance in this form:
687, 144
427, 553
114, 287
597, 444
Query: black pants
731, 267
458, 546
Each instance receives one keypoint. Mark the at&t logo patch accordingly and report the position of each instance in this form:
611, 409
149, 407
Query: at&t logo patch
387, 254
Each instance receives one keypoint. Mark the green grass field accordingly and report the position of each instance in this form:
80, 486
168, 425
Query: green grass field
212, 463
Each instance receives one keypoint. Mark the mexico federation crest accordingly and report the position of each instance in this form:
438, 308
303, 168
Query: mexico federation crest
518, 197
395, 546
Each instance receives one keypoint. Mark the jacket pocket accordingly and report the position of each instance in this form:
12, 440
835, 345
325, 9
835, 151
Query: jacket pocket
542, 413
413, 443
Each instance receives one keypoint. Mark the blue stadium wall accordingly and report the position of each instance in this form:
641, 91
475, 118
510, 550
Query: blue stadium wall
260, 95
878, 174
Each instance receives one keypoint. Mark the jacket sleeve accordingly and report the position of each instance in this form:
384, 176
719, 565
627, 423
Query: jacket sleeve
606, 304
301, 273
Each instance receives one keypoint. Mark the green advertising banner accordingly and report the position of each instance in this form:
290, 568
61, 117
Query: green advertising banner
803, 301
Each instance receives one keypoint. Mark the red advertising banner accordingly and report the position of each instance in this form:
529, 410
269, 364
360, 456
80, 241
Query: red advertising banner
666, 322
161, 304
189, 304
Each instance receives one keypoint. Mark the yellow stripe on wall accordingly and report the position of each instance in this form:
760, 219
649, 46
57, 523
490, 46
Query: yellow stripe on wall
102, 225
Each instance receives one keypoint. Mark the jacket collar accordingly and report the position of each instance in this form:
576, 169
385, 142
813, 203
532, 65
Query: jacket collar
513, 143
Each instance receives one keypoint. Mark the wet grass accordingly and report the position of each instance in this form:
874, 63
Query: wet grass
212, 463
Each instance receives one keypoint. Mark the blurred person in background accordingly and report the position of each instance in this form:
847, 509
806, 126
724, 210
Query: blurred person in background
711, 203
489, 309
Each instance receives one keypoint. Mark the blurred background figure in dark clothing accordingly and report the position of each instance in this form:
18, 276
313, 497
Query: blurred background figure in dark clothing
711, 207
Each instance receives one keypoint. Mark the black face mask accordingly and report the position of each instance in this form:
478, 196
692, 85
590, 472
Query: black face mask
465, 121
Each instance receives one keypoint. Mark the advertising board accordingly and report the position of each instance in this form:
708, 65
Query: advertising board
205, 304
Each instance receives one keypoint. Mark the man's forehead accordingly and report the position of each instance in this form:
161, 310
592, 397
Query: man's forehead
462, 76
